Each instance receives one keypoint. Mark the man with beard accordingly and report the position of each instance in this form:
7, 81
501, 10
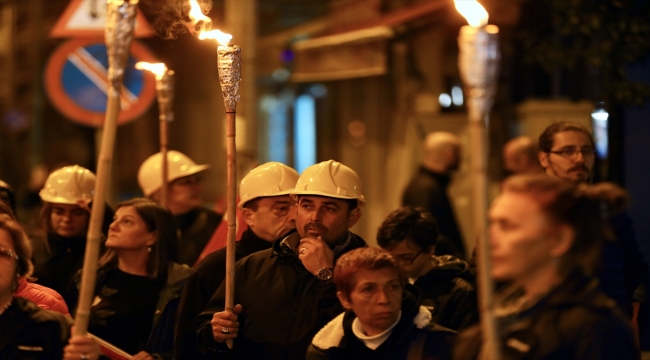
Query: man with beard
284, 295
428, 189
567, 151
269, 212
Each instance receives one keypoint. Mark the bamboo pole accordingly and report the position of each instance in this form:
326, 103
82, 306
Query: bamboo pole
120, 22
478, 62
229, 64
165, 94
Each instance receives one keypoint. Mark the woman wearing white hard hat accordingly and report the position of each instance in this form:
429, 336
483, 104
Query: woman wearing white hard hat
60, 248
184, 200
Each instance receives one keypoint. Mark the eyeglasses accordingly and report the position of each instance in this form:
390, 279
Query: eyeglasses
408, 260
8, 253
570, 153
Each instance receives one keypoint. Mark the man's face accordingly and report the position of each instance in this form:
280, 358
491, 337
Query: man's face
184, 194
576, 168
376, 299
274, 217
326, 217
69, 220
414, 262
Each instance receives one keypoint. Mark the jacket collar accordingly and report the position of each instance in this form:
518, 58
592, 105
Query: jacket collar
251, 243
442, 179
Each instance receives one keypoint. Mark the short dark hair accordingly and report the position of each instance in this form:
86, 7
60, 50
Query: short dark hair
546, 138
585, 208
366, 258
409, 223
157, 218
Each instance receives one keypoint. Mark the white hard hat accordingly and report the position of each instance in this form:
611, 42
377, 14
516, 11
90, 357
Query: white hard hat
270, 179
178, 166
68, 185
332, 179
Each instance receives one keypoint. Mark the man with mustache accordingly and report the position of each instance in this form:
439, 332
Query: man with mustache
567, 151
285, 294
269, 212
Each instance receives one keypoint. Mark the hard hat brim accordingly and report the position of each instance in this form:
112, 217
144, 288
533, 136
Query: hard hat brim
282, 193
361, 202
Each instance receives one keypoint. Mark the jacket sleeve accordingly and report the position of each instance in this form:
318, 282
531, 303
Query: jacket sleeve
205, 341
465, 311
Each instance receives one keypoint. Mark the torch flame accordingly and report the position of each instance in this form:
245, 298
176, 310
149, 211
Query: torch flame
158, 69
201, 22
473, 12
221, 37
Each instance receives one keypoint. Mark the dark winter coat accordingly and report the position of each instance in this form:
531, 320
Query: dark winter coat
284, 305
161, 338
413, 337
196, 229
205, 279
574, 321
429, 191
29, 332
449, 292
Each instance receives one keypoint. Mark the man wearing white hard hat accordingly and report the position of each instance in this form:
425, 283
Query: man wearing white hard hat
184, 200
59, 249
269, 213
285, 294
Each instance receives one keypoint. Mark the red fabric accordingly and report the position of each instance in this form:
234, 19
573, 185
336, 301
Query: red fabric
219, 237
42, 296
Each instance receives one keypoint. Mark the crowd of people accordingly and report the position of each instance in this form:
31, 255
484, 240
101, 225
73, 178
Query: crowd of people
569, 274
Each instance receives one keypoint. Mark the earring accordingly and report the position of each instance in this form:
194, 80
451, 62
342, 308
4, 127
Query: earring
148, 248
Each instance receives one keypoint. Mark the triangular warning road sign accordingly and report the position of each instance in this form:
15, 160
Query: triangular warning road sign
87, 18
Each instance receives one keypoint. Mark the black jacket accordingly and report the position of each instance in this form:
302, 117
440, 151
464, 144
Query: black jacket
205, 279
574, 321
336, 341
449, 292
283, 304
428, 190
29, 332
196, 229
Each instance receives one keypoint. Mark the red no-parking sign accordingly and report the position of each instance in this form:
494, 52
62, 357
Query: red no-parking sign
76, 82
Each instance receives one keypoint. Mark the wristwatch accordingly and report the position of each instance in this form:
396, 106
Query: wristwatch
324, 274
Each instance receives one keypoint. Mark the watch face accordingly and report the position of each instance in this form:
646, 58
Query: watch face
325, 273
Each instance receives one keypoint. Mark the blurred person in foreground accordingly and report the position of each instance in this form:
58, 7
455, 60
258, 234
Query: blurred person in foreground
545, 239
270, 214
184, 200
60, 247
383, 318
520, 156
285, 294
137, 290
28, 331
428, 189
567, 152
447, 284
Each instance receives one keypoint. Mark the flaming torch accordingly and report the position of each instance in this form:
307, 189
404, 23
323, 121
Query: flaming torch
120, 23
229, 65
165, 94
478, 62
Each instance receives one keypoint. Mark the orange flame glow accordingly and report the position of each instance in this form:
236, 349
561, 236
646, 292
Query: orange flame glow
473, 12
158, 69
221, 37
200, 22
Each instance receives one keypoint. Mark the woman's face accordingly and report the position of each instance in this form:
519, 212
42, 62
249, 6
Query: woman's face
521, 237
128, 231
376, 299
69, 220
8, 263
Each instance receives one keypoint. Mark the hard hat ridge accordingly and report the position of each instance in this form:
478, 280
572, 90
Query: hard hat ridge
69, 185
268, 179
178, 164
